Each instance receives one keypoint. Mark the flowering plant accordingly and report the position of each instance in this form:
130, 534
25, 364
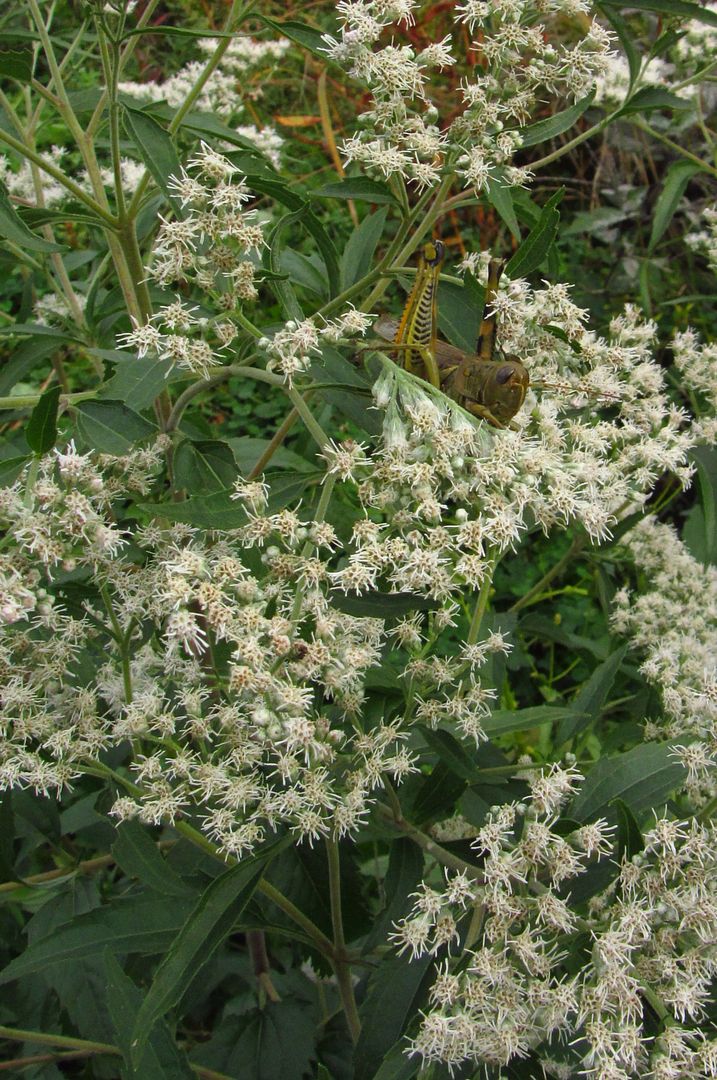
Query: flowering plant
307, 685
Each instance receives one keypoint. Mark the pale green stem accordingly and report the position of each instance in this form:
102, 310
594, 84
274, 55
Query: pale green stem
236, 16
124, 58
431, 847
29, 401
342, 968
313, 426
58, 175
681, 150
122, 640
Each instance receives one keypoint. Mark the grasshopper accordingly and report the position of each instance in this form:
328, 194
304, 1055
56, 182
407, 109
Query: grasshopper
491, 389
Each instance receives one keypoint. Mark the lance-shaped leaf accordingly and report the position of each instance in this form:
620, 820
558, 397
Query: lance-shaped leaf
556, 125
537, 244
41, 430
155, 147
13, 228
643, 778
678, 176
209, 924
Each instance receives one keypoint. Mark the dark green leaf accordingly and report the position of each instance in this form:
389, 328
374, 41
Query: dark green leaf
626, 39
162, 1058
288, 197
282, 289
248, 450
676, 180
10, 469
705, 457
405, 868
503, 721
629, 837
378, 605
24, 358
643, 778
451, 752
534, 249
13, 228
217, 511
589, 702
459, 312
34, 330
361, 248
137, 381
678, 8
208, 465
41, 430
277, 1042
7, 837
111, 427
437, 794
499, 195
395, 993
358, 187
556, 125
17, 63
124, 926
397, 1065
155, 147
653, 97
139, 857
303, 34
204, 931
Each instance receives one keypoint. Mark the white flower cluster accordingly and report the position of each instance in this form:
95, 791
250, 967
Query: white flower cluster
523, 60
509, 984
697, 45
221, 94
674, 620
209, 245
706, 239
614, 83
563, 463
20, 182
292, 349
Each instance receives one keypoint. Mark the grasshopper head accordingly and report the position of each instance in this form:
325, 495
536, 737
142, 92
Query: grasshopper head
505, 384
433, 252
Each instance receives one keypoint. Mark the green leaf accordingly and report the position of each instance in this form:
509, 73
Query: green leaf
556, 125
459, 312
504, 721
276, 1042
17, 63
162, 1057
13, 228
626, 39
10, 469
437, 794
359, 188
589, 702
155, 147
676, 180
451, 752
111, 427
405, 868
378, 605
206, 465
361, 248
282, 289
629, 837
41, 430
139, 857
278, 189
395, 993
136, 381
35, 330
25, 357
499, 196
643, 778
303, 34
678, 8
133, 925
397, 1065
705, 457
653, 97
217, 511
247, 451
204, 931
534, 249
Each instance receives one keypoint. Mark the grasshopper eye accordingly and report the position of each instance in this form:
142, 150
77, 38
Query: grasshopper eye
503, 374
